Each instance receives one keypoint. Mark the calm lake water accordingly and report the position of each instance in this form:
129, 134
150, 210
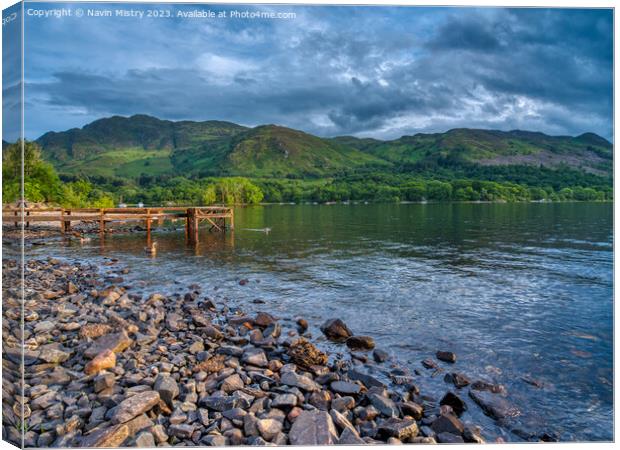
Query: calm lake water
516, 290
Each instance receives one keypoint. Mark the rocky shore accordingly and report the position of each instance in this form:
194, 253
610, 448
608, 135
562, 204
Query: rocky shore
108, 367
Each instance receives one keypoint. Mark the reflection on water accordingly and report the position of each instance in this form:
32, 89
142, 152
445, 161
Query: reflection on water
516, 290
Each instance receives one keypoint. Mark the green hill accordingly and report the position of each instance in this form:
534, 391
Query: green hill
588, 152
137, 145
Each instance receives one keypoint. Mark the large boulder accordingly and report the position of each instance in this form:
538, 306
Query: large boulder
336, 330
134, 406
494, 405
115, 342
360, 343
313, 428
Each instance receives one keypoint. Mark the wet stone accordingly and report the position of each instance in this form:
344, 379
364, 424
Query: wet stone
449, 357
458, 379
366, 379
360, 343
447, 423
399, 428
412, 409
449, 438
384, 405
494, 405
380, 356
336, 329
455, 402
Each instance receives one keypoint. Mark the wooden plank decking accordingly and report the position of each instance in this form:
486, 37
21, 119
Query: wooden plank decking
219, 217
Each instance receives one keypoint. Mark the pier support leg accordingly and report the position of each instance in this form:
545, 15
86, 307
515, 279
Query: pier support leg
192, 225
148, 221
101, 223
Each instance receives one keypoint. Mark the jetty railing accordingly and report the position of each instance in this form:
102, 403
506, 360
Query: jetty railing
219, 217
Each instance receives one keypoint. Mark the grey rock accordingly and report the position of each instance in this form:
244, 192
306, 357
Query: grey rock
255, 357
300, 381
103, 381
53, 355
449, 438
343, 403
447, 423
145, 439
284, 401
159, 434
350, 437
380, 356
360, 343
134, 406
494, 405
346, 388
455, 402
313, 428
367, 380
412, 409
269, 428
341, 421
167, 388
398, 428
215, 440
384, 405
458, 379
181, 431
336, 329
232, 383
220, 402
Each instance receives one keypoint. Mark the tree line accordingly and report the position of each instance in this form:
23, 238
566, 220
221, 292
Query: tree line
441, 184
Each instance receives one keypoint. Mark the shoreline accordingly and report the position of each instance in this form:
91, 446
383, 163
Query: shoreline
136, 370
152, 337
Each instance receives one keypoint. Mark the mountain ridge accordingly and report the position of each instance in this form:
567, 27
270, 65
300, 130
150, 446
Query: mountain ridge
142, 144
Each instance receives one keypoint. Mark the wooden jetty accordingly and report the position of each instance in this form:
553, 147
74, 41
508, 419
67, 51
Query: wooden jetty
219, 217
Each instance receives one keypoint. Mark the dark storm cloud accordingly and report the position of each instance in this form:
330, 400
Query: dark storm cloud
371, 72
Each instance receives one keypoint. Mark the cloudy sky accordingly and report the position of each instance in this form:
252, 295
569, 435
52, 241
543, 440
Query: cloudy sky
365, 71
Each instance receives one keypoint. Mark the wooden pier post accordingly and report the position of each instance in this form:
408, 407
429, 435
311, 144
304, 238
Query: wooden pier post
148, 221
101, 222
67, 223
192, 225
